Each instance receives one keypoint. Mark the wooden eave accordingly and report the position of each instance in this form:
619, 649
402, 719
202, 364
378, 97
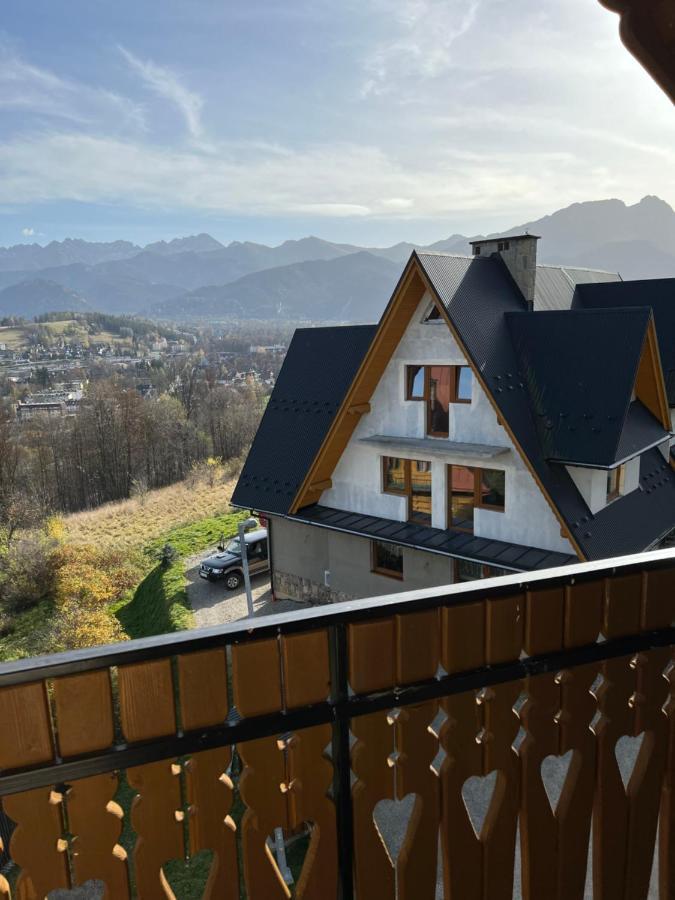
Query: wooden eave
650, 385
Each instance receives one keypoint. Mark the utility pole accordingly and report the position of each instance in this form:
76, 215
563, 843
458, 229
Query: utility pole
248, 523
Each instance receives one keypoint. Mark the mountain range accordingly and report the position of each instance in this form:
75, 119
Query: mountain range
309, 279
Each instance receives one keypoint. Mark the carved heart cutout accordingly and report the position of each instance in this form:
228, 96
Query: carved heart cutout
90, 890
554, 772
392, 820
627, 751
478, 793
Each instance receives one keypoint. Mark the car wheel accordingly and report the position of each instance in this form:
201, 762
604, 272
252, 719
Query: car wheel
233, 580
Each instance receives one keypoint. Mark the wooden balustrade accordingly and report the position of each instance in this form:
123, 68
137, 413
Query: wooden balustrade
513, 737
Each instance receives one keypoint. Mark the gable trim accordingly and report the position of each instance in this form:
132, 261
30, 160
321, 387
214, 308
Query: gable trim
650, 377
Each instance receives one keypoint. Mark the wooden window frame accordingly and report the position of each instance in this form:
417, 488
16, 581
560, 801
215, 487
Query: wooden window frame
406, 478
619, 476
378, 570
408, 384
407, 481
477, 497
454, 386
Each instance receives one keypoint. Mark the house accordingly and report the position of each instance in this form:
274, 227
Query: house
501, 417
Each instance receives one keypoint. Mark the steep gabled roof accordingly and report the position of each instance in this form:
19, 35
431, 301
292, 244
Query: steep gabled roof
657, 293
579, 367
314, 378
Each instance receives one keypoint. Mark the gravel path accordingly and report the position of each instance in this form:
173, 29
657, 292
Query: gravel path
213, 604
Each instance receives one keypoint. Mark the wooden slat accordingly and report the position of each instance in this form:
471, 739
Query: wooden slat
504, 629
544, 621
583, 612
260, 786
26, 730
306, 668
83, 705
146, 700
153, 816
96, 834
416, 748
623, 605
256, 677
373, 873
203, 695
371, 655
463, 637
310, 775
659, 599
34, 845
202, 678
209, 792
417, 646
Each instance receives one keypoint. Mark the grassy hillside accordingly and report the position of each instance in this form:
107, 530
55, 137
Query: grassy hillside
133, 525
190, 516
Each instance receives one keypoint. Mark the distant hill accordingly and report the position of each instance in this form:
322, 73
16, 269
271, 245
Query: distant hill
33, 298
119, 277
351, 288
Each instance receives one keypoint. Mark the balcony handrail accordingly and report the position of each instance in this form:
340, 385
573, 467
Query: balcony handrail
241, 631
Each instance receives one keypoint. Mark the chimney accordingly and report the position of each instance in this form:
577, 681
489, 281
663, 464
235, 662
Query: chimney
519, 253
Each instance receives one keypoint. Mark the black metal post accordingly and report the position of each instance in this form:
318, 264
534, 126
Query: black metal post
342, 772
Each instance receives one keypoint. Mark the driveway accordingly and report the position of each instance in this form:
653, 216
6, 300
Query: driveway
213, 604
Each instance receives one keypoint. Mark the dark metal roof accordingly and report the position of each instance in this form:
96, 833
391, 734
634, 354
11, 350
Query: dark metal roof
318, 369
555, 285
640, 430
457, 544
567, 359
477, 293
659, 294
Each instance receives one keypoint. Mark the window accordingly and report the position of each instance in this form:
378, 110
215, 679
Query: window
470, 488
434, 314
410, 478
438, 400
414, 377
419, 507
503, 245
463, 384
387, 559
476, 250
439, 386
465, 570
394, 475
615, 482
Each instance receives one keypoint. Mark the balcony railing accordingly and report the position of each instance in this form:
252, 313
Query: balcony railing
511, 737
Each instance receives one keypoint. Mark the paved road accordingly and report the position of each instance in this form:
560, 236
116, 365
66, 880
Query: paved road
213, 604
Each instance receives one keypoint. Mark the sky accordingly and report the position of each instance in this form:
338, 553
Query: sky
369, 121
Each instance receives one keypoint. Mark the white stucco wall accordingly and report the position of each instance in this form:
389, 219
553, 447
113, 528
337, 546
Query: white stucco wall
357, 479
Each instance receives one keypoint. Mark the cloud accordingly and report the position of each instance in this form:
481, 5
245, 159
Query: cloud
319, 180
167, 85
28, 232
421, 48
39, 92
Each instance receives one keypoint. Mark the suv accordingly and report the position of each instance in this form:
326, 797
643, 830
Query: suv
227, 563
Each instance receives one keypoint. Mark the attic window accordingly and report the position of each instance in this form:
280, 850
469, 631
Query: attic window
476, 250
503, 245
433, 315
615, 483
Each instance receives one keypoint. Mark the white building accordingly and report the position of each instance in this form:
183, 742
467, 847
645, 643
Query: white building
501, 417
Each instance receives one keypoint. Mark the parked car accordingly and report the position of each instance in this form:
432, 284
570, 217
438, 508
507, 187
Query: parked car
227, 563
